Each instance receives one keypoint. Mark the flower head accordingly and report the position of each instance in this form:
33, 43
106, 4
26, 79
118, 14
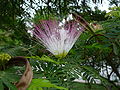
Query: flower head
58, 39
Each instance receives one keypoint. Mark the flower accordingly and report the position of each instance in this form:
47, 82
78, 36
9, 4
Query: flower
56, 37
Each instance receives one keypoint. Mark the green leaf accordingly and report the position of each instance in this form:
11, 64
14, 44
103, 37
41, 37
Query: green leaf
95, 74
1, 85
8, 84
44, 58
39, 83
115, 49
10, 75
33, 87
7, 77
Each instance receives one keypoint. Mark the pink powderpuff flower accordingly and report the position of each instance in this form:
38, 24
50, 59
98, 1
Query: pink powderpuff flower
58, 39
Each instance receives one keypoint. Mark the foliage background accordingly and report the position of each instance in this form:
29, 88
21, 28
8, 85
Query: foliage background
92, 57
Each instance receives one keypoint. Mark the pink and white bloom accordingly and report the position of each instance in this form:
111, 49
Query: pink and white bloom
58, 39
